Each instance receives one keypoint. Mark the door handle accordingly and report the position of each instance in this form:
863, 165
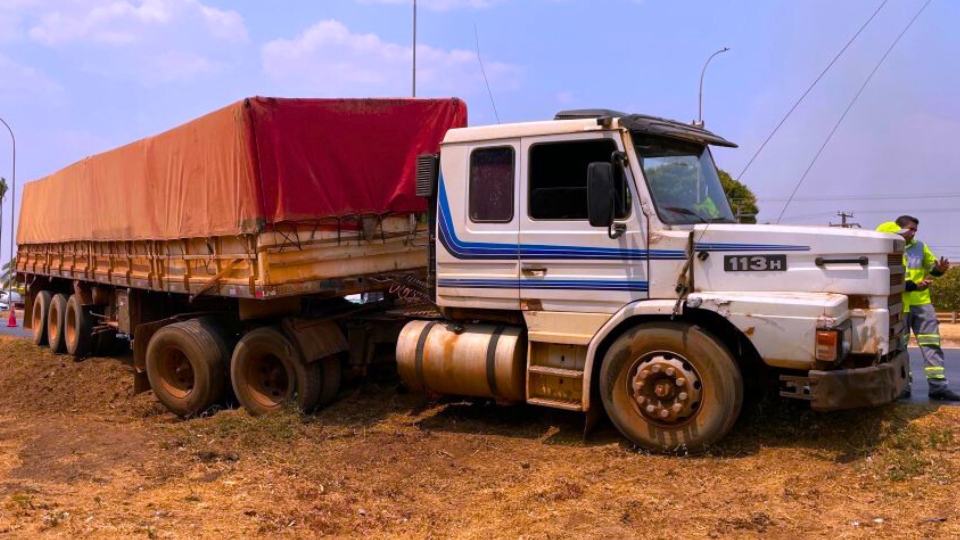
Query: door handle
536, 271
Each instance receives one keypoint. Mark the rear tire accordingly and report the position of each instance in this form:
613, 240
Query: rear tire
331, 377
187, 366
268, 374
78, 328
671, 387
56, 322
41, 310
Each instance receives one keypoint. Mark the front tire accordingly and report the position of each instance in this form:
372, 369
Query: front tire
671, 387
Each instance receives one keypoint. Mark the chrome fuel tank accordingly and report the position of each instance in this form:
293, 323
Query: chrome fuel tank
482, 360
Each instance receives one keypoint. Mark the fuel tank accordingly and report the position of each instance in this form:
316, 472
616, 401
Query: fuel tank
482, 360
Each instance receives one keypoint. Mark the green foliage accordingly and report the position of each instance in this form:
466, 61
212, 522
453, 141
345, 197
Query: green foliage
945, 291
742, 200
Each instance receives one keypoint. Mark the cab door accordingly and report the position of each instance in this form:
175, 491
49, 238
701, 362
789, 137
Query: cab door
478, 226
566, 265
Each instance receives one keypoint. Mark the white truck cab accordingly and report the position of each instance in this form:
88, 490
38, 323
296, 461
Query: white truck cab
594, 261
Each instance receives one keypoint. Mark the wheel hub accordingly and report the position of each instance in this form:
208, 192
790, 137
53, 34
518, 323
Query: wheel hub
666, 388
176, 373
269, 382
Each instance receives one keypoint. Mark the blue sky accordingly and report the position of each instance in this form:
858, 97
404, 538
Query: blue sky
78, 77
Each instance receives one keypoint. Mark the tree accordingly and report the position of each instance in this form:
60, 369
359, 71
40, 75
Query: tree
742, 200
3, 195
7, 273
945, 291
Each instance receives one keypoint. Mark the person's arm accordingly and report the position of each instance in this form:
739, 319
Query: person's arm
930, 262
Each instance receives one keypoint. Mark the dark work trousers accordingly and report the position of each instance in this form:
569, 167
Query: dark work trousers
922, 321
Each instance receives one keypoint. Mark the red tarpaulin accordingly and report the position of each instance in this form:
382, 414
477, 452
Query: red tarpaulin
255, 163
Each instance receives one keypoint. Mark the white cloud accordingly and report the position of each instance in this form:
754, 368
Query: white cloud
122, 22
151, 41
22, 83
440, 5
328, 59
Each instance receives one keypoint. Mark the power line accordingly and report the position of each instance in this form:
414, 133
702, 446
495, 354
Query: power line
860, 197
822, 73
850, 106
894, 212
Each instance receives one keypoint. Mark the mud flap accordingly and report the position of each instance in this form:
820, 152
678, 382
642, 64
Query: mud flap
863, 387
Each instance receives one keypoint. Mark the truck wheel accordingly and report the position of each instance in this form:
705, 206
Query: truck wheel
331, 377
671, 387
78, 328
268, 374
186, 366
56, 321
41, 310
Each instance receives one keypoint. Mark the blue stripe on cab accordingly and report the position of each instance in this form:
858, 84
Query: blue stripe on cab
488, 251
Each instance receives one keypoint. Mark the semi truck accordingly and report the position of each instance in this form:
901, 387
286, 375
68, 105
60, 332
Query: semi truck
589, 263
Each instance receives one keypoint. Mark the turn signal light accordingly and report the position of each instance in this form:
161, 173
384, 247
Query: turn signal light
828, 342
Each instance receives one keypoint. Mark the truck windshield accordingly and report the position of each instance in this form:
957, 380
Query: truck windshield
683, 181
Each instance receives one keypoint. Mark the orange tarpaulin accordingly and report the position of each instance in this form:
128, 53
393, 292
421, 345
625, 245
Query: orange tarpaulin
244, 168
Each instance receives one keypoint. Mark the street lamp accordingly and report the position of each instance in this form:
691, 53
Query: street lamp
699, 122
13, 202
414, 48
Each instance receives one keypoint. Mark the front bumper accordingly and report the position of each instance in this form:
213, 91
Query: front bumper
851, 388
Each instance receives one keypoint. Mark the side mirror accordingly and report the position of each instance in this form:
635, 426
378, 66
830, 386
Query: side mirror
601, 194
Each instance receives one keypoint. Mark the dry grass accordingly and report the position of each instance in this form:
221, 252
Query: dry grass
950, 335
81, 457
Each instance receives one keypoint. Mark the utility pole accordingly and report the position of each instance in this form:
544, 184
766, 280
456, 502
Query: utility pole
843, 221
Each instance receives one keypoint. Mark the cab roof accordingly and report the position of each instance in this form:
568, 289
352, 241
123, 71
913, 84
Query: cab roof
651, 125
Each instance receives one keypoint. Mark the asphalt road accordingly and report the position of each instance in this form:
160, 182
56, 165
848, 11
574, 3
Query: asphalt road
951, 362
916, 365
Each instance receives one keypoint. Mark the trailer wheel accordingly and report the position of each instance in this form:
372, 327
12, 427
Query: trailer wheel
268, 374
78, 328
41, 310
56, 322
671, 387
186, 366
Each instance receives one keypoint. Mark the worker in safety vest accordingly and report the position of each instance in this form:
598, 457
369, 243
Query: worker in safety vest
922, 267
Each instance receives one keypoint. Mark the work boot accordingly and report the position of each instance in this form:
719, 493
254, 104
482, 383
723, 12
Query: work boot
944, 395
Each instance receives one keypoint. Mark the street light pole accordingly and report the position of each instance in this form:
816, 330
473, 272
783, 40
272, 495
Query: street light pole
13, 202
414, 48
702, 72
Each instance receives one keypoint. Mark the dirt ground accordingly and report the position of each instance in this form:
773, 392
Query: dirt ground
949, 335
81, 457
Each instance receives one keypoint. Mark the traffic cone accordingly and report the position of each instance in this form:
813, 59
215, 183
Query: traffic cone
12, 321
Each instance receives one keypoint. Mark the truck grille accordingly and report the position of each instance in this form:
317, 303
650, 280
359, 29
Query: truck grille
895, 300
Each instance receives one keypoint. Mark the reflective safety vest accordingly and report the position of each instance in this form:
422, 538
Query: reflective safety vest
706, 208
920, 261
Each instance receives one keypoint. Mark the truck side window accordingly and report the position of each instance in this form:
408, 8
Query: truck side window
491, 185
558, 178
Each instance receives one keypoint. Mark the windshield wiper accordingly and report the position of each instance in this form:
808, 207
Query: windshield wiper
686, 212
